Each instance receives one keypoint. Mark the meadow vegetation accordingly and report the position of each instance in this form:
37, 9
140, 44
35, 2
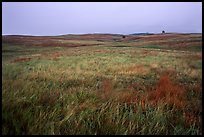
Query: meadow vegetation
102, 84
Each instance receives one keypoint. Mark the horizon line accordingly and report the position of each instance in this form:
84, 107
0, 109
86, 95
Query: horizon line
103, 33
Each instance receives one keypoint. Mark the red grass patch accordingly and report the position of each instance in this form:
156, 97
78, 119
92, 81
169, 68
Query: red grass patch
22, 59
167, 92
145, 52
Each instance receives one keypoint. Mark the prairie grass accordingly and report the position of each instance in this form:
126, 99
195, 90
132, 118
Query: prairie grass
102, 90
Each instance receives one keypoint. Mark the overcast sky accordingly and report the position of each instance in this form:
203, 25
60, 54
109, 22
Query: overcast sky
53, 18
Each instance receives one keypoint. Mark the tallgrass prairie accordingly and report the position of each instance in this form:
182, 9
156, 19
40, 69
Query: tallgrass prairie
106, 84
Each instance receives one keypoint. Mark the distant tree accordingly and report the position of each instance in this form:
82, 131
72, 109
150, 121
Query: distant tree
163, 31
123, 36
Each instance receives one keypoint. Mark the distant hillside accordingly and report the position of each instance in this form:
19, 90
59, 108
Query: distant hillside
138, 34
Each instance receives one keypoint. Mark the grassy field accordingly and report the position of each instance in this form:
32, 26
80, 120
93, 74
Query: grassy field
102, 84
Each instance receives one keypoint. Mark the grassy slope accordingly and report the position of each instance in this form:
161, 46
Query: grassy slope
145, 86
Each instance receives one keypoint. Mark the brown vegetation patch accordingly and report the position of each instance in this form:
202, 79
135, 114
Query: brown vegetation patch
106, 90
126, 97
167, 92
134, 85
191, 118
107, 86
49, 98
198, 87
145, 52
57, 54
22, 59
120, 95
196, 57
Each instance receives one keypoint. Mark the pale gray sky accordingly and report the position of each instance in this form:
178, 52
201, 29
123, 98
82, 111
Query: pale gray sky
55, 18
